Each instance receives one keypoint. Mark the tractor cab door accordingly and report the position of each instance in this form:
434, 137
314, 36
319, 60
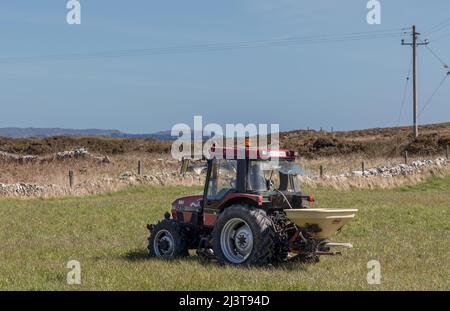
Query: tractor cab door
221, 179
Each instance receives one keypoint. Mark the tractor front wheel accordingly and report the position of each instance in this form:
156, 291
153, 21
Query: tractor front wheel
167, 240
243, 235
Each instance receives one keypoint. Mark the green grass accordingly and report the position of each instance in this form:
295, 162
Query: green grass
406, 229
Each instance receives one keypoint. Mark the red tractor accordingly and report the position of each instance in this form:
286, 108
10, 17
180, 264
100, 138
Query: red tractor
251, 212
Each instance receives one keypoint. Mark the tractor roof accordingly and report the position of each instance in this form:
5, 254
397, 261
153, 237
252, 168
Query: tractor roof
252, 153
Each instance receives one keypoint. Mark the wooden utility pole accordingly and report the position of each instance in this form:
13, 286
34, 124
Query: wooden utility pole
414, 45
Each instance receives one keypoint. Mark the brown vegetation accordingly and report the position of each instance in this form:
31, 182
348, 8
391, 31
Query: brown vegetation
370, 143
379, 142
102, 145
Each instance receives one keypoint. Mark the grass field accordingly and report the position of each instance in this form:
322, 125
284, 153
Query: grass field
406, 229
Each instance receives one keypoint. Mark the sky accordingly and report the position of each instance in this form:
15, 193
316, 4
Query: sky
345, 85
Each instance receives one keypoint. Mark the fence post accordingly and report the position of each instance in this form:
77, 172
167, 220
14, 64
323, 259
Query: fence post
446, 151
71, 179
139, 167
184, 166
363, 167
406, 157
321, 171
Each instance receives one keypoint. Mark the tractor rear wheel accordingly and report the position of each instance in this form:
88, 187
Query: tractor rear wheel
167, 240
243, 235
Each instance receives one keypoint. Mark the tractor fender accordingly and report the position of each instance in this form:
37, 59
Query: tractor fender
251, 200
240, 198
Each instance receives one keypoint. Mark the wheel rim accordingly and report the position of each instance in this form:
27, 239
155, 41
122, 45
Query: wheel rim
164, 244
236, 240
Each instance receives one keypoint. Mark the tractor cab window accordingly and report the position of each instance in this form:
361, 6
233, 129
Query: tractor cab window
222, 179
266, 175
257, 181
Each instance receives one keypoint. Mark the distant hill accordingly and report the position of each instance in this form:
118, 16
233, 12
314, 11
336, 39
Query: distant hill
29, 132
163, 135
16, 132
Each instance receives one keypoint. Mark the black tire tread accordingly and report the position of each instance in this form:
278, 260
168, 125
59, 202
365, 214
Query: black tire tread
264, 239
179, 236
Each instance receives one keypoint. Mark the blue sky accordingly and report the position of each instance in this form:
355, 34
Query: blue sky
347, 85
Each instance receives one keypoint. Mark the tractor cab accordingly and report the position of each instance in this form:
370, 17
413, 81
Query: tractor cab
263, 178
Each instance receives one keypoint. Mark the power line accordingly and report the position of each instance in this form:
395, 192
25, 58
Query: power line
438, 26
434, 93
444, 64
193, 48
306, 40
441, 37
404, 92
